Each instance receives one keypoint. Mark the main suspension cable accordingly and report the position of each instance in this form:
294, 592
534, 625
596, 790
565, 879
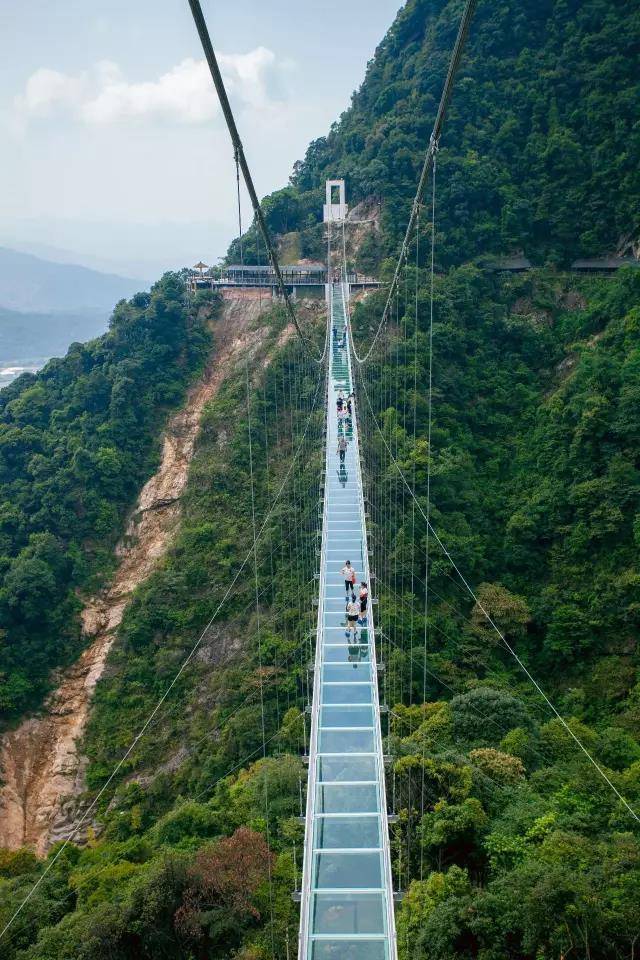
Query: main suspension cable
218, 82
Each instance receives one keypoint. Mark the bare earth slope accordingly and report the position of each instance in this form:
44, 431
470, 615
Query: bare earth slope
40, 765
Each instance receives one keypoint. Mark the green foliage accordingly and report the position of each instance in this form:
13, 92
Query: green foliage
508, 842
77, 441
534, 489
530, 138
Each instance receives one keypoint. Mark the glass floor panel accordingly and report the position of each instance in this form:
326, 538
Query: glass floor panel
334, 871
349, 950
347, 832
355, 913
346, 768
335, 603
335, 618
347, 693
346, 741
349, 716
347, 798
349, 672
346, 653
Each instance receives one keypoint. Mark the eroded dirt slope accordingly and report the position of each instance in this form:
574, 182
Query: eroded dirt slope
41, 769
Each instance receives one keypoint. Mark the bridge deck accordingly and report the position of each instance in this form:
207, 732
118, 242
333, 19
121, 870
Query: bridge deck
347, 898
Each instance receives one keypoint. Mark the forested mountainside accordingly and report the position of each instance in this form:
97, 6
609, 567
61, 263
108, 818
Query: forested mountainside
77, 441
543, 126
520, 849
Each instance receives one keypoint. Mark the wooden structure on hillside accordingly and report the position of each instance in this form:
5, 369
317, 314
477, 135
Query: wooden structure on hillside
604, 266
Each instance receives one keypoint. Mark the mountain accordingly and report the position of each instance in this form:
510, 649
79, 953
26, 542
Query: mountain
28, 283
45, 334
91, 421
509, 841
139, 250
47, 251
530, 138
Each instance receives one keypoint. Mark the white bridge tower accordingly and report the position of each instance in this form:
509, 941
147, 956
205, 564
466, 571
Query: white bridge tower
335, 207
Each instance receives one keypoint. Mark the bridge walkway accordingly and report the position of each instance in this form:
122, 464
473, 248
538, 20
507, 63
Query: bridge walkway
347, 892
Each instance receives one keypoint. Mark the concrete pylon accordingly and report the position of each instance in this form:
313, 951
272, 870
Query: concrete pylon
335, 211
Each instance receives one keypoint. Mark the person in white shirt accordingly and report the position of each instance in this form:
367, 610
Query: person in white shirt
350, 578
353, 613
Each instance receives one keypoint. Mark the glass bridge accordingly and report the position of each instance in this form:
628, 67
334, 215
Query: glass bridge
347, 892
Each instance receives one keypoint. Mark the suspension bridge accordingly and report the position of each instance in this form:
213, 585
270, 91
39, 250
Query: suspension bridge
347, 889
348, 877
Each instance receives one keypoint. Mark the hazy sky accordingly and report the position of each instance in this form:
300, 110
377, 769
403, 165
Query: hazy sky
111, 138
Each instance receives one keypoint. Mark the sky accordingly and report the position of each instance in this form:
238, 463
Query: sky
112, 145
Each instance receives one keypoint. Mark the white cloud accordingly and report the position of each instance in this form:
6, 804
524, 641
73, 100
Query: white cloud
184, 94
47, 88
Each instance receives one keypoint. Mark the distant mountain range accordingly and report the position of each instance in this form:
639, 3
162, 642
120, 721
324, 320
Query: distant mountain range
37, 335
45, 306
28, 283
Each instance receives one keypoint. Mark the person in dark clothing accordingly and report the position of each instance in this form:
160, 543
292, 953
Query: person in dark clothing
364, 598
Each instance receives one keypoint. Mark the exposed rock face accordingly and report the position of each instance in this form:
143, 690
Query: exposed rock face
41, 769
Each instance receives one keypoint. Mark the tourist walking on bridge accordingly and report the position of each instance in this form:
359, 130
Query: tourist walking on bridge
350, 578
353, 612
364, 597
342, 448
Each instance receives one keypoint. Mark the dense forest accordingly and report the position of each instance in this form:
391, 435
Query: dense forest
77, 441
508, 842
543, 124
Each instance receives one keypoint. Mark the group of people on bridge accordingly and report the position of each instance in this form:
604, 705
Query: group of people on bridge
345, 407
339, 339
356, 608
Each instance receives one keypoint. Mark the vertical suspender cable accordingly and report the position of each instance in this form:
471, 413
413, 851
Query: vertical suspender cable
257, 599
429, 459
237, 162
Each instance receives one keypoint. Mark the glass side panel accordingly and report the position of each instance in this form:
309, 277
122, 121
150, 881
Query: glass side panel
348, 913
346, 716
346, 832
346, 741
347, 693
354, 671
349, 950
346, 768
352, 798
350, 870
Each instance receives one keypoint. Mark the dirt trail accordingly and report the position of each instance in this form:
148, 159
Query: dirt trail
41, 769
